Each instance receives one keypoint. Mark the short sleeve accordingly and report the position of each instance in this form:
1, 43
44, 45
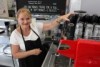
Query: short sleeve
13, 39
40, 27
37, 25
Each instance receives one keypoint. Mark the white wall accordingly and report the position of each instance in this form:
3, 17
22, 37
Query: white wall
91, 6
75, 5
3, 8
10, 3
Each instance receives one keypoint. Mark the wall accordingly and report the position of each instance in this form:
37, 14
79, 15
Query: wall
75, 5
91, 6
3, 8
10, 4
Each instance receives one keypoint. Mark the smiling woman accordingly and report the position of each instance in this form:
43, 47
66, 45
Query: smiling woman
25, 39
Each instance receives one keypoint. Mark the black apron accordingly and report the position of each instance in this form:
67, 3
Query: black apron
33, 60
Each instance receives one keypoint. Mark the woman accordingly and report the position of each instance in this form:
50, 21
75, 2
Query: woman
25, 39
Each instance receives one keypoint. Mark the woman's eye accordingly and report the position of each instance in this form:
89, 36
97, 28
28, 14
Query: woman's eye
27, 18
22, 18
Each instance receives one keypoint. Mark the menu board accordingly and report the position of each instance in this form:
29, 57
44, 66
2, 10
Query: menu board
43, 6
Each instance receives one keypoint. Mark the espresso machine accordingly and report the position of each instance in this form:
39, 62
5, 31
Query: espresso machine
69, 27
96, 31
88, 27
80, 25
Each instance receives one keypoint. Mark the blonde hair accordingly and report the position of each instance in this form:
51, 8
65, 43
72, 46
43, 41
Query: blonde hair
23, 10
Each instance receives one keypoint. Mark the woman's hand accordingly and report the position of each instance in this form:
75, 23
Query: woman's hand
64, 17
57, 21
22, 54
35, 51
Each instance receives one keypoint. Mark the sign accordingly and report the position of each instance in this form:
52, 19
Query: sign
43, 6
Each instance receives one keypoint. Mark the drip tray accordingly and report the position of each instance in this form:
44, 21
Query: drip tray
53, 60
61, 61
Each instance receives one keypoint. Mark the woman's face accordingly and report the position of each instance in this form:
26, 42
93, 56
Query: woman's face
24, 19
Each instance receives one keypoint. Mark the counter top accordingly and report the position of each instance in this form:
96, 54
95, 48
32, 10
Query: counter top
50, 57
54, 60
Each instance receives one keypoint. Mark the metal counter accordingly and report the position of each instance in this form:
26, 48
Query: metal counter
54, 60
50, 57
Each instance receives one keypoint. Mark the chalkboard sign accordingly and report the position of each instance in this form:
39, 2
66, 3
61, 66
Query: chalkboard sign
57, 7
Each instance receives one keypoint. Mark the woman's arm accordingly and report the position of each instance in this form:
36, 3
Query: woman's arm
51, 25
22, 54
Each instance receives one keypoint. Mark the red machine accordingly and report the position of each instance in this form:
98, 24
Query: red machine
86, 53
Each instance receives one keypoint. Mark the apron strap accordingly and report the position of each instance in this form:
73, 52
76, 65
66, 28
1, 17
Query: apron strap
35, 32
23, 36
